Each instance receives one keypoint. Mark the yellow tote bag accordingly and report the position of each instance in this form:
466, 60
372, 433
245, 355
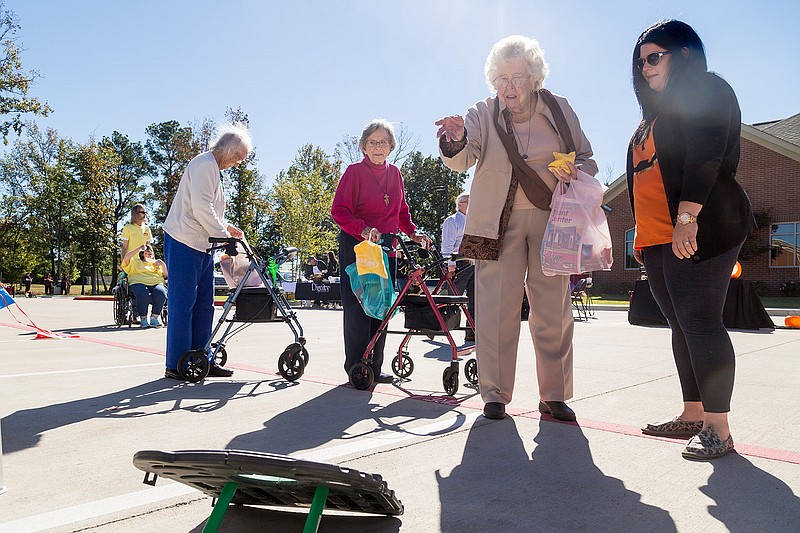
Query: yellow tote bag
369, 259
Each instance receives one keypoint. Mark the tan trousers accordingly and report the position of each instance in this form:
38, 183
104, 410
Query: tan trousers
498, 293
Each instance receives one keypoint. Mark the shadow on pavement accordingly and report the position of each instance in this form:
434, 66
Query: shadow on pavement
558, 487
23, 429
749, 499
329, 417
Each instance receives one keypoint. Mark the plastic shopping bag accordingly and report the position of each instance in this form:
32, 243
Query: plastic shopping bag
370, 280
577, 238
234, 268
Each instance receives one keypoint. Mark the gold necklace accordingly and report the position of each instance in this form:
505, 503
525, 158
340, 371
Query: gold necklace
385, 189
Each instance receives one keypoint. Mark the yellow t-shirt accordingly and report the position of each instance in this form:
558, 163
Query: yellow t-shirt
136, 235
144, 272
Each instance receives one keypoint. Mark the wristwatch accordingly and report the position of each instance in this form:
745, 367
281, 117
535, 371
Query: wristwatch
684, 219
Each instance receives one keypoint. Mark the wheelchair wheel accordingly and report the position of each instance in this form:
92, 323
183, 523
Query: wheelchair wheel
450, 380
164, 315
221, 356
471, 371
194, 366
361, 376
305, 356
291, 365
119, 306
404, 370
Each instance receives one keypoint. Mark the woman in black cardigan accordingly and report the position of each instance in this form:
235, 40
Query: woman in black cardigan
691, 220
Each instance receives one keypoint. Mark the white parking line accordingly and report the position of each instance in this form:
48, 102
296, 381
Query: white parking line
79, 513
77, 370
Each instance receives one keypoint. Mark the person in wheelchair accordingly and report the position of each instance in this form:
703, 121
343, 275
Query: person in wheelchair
146, 277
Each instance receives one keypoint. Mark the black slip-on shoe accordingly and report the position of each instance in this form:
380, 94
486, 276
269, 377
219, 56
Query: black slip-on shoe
384, 378
558, 410
172, 373
494, 410
219, 372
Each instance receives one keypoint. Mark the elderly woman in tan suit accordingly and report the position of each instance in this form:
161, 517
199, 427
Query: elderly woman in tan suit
512, 137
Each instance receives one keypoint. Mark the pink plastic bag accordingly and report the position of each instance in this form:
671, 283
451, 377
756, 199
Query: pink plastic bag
234, 268
577, 238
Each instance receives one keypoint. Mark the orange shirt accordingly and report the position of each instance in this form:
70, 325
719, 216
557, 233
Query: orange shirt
653, 221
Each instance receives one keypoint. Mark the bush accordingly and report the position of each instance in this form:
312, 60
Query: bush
790, 288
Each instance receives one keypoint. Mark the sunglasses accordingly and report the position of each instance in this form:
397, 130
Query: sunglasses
652, 59
142, 212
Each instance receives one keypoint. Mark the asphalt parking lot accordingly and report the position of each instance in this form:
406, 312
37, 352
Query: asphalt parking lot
76, 410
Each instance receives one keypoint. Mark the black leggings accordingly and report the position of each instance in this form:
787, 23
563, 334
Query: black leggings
692, 296
359, 328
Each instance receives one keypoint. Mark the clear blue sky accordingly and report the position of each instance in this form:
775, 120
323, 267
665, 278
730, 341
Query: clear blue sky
313, 71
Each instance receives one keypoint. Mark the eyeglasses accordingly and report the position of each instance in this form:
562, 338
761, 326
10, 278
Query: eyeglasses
652, 59
516, 81
142, 212
375, 144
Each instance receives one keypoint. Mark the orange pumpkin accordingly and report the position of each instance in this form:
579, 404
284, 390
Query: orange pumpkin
737, 270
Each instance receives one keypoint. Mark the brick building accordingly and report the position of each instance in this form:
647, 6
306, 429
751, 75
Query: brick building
769, 170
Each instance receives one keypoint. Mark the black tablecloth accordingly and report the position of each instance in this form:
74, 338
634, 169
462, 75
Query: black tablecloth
743, 308
325, 291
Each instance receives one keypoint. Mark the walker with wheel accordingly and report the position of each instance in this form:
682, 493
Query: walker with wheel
437, 318
195, 365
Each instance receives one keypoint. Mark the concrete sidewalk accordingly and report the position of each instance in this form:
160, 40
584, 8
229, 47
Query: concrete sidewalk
75, 411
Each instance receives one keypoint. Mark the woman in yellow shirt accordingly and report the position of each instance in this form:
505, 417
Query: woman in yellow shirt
146, 275
136, 232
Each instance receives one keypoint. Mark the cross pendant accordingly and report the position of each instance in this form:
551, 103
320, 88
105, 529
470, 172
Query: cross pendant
386, 199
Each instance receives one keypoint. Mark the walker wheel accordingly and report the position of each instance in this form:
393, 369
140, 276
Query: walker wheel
404, 370
291, 365
193, 366
450, 380
361, 376
305, 356
220, 355
471, 371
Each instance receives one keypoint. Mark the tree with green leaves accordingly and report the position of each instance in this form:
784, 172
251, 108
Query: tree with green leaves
95, 229
431, 191
247, 207
14, 81
127, 186
170, 147
37, 171
301, 201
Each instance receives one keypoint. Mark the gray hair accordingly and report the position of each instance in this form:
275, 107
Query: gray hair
462, 196
231, 140
134, 209
370, 128
515, 47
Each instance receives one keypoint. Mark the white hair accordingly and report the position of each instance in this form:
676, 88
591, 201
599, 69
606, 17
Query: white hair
462, 196
514, 47
370, 128
231, 140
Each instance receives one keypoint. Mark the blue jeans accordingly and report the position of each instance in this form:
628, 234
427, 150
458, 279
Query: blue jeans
692, 296
147, 294
191, 299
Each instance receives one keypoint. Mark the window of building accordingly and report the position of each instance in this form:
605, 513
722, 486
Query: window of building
630, 262
784, 243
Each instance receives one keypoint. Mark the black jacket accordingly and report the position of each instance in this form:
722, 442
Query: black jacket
697, 140
308, 270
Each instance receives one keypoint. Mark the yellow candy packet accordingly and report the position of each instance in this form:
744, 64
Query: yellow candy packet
561, 161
